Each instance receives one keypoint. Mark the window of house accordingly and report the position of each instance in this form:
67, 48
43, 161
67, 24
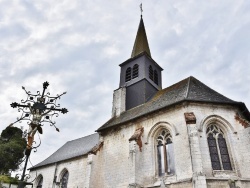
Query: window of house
150, 72
135, 71
165, 153
64, 180
128, 74
155, 77
40, 182
218, 148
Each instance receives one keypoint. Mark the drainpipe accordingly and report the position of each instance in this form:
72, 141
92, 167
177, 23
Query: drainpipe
54, 177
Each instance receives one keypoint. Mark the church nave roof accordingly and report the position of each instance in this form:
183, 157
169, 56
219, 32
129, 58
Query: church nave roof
71, 149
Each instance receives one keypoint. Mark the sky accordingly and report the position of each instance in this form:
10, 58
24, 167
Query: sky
77, 46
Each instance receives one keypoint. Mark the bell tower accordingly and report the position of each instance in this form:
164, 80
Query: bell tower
140, 76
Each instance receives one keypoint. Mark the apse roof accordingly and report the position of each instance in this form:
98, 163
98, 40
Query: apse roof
71, 149
189, 89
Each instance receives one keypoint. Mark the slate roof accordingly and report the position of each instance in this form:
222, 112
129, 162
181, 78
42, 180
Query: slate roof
71, 149
189, 89
141, 41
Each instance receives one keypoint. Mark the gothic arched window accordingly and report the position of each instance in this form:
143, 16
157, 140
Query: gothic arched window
165, 153
64, 180
40, 182
155, 77
128, 74
135, 71
218, 148
150, 72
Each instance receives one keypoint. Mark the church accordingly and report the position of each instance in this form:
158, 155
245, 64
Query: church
185, 135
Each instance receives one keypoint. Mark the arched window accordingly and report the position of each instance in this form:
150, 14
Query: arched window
40, 182
135, 71
150, 72
64, 180
165, 153
218, 148
155, 77
128, 75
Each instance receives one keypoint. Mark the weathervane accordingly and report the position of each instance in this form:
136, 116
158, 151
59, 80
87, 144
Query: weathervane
141, 9
37, 109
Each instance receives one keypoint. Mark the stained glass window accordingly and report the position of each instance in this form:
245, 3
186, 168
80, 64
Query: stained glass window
165, 153
40, 182
218, 149
64, 180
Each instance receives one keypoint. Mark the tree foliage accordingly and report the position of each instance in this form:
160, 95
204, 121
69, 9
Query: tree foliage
12, 146
8, 179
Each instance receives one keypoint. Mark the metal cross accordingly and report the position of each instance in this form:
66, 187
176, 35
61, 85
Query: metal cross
141, 8
39, 108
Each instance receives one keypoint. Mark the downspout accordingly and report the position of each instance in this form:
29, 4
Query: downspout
191, 156
54, 177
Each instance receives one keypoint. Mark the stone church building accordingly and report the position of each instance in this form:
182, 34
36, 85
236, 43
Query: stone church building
184, 136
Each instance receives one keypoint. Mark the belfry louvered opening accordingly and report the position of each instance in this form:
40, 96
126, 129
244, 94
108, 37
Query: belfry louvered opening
128, 74
153, 75
135, 71
151, 72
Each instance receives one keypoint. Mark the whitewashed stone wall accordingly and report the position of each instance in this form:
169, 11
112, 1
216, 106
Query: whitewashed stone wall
75, 167
120, 164
125, 165
119, 99
238, 143
48, 175
130, 167
115, 153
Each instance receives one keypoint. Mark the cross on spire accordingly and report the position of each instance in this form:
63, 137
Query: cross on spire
141, 9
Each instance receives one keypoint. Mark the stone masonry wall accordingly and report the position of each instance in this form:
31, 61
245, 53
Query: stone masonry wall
120, 163
75, 167
140, 169
116, 159
237, 138
48, 174
147, 170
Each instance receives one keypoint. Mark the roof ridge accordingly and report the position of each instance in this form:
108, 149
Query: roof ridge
188, 87
81, 137
183, 80
195, 82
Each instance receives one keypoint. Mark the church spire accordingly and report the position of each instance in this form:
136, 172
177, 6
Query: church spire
140, 77
141, 41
